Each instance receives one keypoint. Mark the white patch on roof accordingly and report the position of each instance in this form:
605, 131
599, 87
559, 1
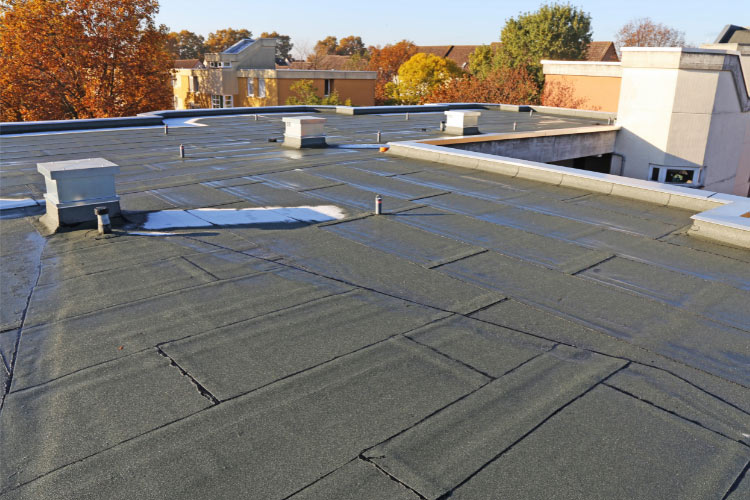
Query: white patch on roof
8, 203
166, 219
183, 122
206, 217
151, 233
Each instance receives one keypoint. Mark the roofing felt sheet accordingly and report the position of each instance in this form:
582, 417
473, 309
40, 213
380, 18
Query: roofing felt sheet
486, 337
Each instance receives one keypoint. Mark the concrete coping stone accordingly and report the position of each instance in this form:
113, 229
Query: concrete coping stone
303, 119
506, 136
87, 167
717, 209
462, 112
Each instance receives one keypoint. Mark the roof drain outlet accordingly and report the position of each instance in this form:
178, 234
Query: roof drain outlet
304, 132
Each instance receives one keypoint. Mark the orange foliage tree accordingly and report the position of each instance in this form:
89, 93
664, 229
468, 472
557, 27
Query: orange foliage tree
503, 85
560, 94
386, 61
65, 59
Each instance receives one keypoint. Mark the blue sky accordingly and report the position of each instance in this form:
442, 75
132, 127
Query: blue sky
435, 22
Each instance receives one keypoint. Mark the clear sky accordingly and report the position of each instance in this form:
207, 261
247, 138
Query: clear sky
436, 22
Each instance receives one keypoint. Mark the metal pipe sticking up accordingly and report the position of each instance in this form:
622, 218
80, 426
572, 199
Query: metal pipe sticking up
255, 117
182, 151
531, 112
515, 125
103, 224
166, 129
407, 116
442, 126
378, 204
378, 137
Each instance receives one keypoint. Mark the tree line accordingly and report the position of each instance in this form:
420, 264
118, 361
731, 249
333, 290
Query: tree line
67, 59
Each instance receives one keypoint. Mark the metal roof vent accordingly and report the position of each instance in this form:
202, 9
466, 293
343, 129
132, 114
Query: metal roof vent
304, 132
76, 187
462, 122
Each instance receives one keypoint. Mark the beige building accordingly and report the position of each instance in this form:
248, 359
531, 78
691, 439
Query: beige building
684, 113
245, 75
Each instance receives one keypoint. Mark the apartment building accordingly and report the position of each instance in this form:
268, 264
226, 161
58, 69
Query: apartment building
245, 75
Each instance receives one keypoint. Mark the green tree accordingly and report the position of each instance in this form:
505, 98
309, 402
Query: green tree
481, 61
326, 46
555, 31
306, 93
223, 39
283, 46
185, 45
418, 76
350, 46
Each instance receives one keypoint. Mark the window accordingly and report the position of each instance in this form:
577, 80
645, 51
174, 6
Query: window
217, 101
251, 87
220, 64
327, 87
675, 175
228, 101
261, 87
175, 80
227, 64
193, 84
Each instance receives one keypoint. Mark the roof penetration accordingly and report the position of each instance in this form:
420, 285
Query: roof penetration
486, 337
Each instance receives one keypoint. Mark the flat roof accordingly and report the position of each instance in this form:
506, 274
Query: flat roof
487, 337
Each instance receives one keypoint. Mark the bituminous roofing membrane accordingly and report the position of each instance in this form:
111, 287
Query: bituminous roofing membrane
487, 337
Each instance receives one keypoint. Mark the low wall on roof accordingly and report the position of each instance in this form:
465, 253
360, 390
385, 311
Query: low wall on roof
543, 146
155, 118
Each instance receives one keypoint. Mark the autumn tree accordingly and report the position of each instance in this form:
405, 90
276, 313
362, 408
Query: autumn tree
418, 76
561, 94
386, 61
644, 32
185, 45
220, 40
350, 46
283, 46
65, 59
326, 46
503, 85
555, 31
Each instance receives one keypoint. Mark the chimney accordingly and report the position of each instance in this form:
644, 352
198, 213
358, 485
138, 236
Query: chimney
304, 132
462, 122
75, 188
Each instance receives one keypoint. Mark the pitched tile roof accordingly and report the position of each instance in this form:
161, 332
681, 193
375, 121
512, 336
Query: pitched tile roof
602, 51
188, 64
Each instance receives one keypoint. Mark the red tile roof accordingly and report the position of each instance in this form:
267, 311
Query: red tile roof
602, 51
188, 64
459, 54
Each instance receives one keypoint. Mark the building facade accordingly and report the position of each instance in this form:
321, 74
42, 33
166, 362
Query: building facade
684, 113
245, 75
